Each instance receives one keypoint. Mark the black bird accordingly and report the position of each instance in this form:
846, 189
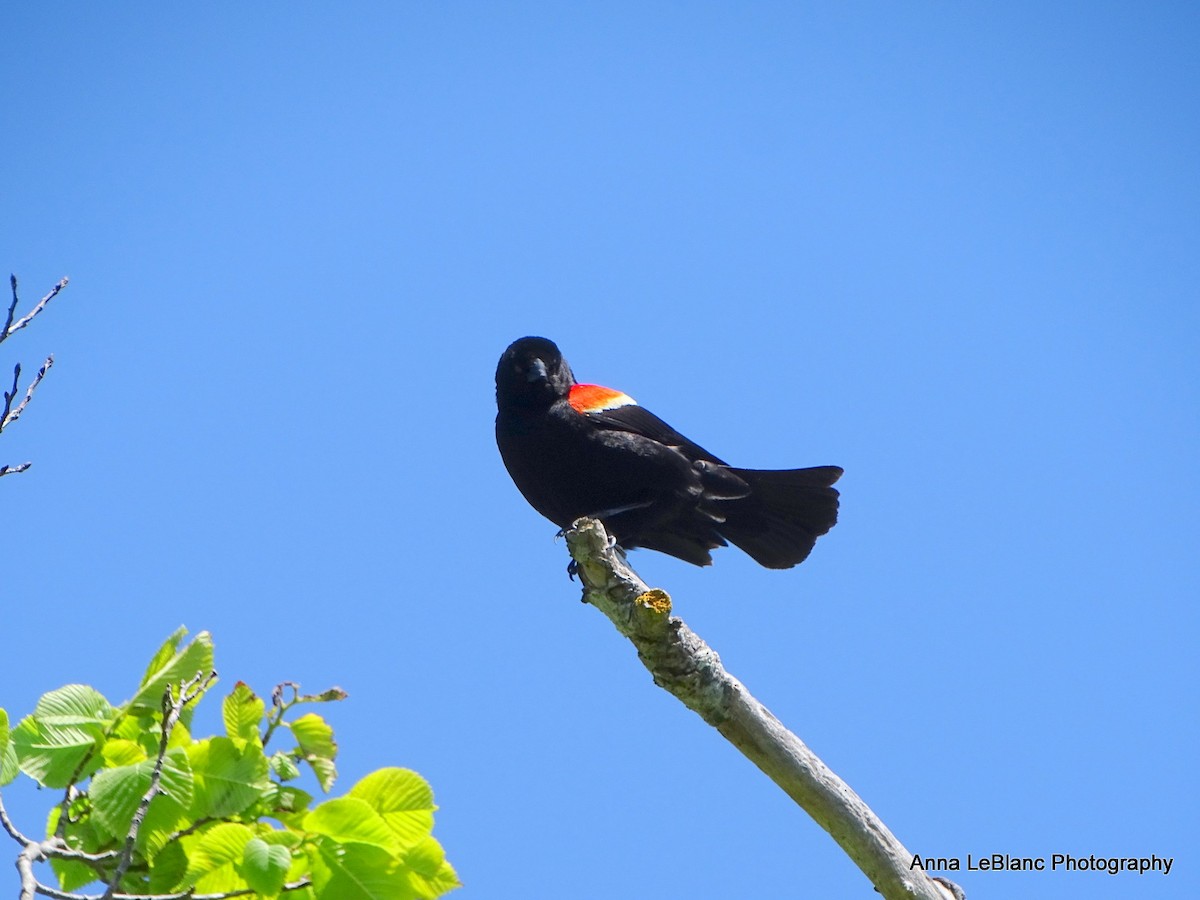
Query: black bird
584, 450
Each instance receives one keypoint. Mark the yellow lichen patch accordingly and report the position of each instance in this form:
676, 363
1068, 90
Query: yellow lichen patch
657, 600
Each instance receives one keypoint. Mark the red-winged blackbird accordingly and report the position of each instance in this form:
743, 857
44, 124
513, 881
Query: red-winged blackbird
584, 450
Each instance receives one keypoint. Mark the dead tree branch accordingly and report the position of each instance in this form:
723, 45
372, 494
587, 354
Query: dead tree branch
11, 326
686, 666
10, 414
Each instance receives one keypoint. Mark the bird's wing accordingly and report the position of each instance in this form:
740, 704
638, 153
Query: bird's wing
639, 420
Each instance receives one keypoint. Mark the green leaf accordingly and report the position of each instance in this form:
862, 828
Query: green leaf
289, 839
164, 818
403, 798
116, 793
143, 729
287, 804
431, 875
75, 705
8, 753
121, 752
64, 729
284, 766
301, 867
213, 859
351, 820
173, 666
358, 872
71, 873
163, 655
80, 833
228, 778
315, 738
265, 866
168, 868
325, 771
9, 767
243, 713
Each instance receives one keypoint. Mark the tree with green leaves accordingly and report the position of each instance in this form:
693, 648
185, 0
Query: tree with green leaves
151, 812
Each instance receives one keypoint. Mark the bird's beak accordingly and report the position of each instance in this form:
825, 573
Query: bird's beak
537, 371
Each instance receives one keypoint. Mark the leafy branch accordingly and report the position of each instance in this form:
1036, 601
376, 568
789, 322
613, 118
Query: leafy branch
151, 813
682, 663
12, 325
175, 700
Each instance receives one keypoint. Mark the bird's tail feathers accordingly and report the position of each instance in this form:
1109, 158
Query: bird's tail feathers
784, 514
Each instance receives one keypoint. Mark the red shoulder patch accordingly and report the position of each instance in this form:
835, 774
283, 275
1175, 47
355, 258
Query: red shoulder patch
591, 398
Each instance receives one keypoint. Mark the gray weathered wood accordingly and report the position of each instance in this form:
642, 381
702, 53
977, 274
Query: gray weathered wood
682, 663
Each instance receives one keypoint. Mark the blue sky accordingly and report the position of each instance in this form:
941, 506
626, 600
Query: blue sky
951, 248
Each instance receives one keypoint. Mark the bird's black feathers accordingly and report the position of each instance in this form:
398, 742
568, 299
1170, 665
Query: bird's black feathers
639, 420
578, 450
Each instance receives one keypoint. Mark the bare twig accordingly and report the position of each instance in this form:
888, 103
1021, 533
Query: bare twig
279, 706
191, 829
25, 860
47, 891
31, 852
11, 327
686, 666
11, 415
10, 827
12, 307
173, 707
9, 395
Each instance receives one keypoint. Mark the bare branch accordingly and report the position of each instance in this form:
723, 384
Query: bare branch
9, 395
682, 663
59, 850
13, 415
47, 891
10, 827
173, 707
25, 861
12, 306
30, 853
11, 327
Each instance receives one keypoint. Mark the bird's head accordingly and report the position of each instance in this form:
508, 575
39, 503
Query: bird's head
532, 373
